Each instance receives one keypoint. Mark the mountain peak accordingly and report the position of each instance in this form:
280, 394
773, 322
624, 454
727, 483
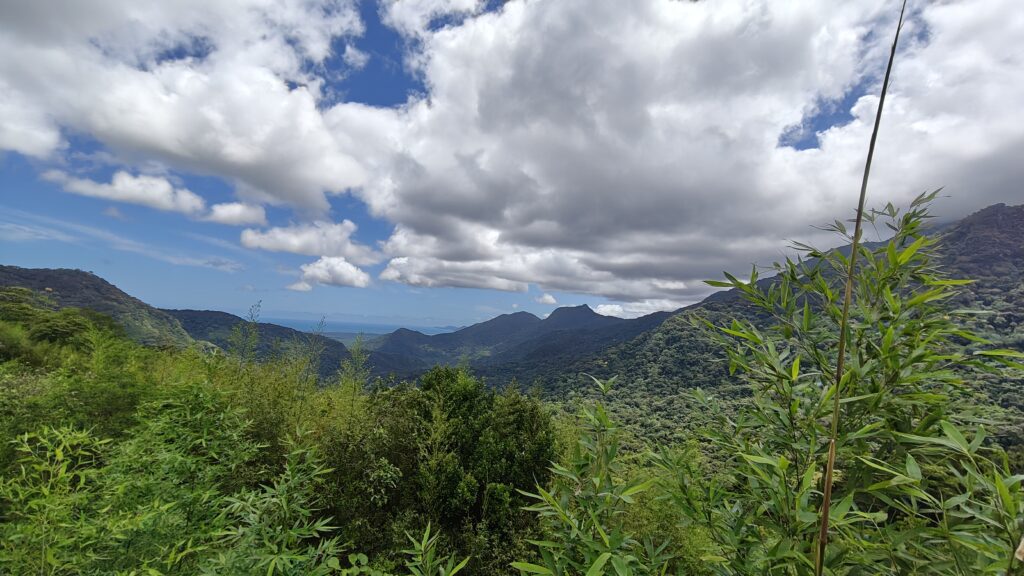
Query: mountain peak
574, 317
988, 243
581, 311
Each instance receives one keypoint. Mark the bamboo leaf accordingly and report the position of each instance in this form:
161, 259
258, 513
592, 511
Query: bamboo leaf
598, 567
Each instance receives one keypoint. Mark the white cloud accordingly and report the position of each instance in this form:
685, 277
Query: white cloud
631, 150
240, 101
314, 239
621, 149
237, 214
610, 310
151, 191
159, 193
114, 212
414, 17
546, 299
332, 271
19, 232
355, 57
26, 226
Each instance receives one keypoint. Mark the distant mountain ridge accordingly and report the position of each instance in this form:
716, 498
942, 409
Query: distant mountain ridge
658, 350
520, 337
216, 327
987, 247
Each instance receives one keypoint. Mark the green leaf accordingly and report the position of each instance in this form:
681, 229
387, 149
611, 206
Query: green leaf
639, 487
929, 440
953, 434
949, 282
1004, 495
459, 566
1001, 353
909, 251
761, 460
598, 568
913, 470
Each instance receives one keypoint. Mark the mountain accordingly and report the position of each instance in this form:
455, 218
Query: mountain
577, 318
656, 356
657, 366
80, 289
503, 345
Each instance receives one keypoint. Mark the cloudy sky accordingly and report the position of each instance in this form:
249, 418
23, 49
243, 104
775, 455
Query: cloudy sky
441, 161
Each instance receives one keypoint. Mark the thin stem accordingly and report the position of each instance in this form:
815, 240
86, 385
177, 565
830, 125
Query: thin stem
819, 564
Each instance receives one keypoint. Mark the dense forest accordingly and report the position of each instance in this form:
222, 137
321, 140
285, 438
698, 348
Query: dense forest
244, 458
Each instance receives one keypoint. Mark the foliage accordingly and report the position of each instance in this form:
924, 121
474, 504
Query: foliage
84, 290
195, 468
44, 530
585, 509
273, 529
424, 560
128, 459
914, 492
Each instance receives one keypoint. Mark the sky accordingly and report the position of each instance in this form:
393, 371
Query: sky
439, 162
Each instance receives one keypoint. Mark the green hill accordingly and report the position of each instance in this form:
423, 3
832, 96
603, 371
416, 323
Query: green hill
79, 289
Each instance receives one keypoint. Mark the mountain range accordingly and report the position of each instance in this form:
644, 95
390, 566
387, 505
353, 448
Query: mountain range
658, 353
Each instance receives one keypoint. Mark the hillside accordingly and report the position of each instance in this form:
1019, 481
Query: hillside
503, 345
657, 355
80, 289
658, 366
217, 327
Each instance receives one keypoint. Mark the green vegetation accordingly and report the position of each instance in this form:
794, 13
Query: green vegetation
79, 289
127, 459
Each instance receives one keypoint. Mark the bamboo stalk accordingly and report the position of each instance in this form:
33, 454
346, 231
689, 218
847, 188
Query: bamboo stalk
819, 561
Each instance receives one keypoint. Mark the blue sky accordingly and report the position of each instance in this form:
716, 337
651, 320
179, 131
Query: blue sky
246, 278
439, 162
254, 276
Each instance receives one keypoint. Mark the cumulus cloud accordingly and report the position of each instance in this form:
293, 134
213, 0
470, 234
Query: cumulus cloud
622, 149
331, 271
546, 299
152, 191
237, 214
159, 193
220, 87
610, 310
632, 150
414, 17
314, 239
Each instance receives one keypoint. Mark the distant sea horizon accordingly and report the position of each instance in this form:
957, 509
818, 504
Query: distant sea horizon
334, 326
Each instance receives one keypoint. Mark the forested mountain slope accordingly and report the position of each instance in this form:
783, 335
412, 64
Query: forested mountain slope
80, 289
504, 344
656, 356
221, 329
658, 367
